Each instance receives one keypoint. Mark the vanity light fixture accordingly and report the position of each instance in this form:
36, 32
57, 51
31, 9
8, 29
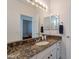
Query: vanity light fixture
38, 4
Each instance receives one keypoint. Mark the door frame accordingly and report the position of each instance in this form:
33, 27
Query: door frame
21, 25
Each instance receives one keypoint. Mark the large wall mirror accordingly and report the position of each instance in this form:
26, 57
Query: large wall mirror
51, 23
54, 21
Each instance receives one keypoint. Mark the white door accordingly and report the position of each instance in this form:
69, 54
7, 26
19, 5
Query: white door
68, 41
68, 30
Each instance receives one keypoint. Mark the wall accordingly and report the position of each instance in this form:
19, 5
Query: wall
16, 8
62, 9
44, 13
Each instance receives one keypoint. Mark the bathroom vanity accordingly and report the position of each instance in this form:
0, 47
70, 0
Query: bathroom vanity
52, 52
28, 49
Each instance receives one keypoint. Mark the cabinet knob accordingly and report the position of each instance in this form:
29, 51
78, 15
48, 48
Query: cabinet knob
48, 57
51, 55
57, 48
68, 36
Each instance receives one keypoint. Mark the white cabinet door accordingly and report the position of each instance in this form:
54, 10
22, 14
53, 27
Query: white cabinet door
58, 53
53, 53
58, 49
47, 56
50, 53
43, 54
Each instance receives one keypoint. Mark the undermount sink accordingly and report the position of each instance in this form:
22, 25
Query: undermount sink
42, 43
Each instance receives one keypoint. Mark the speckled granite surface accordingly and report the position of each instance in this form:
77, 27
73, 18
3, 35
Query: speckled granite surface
27, 48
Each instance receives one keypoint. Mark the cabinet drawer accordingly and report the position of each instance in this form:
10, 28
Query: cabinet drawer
44, 53
47, 56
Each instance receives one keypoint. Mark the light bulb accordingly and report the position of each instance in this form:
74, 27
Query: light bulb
33, 3
40, 3
44, 5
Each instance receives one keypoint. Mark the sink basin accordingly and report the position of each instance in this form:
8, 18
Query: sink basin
42, 43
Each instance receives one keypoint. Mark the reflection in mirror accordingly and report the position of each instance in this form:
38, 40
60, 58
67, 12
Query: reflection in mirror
47, 23
26, 26
54, 22
51, 23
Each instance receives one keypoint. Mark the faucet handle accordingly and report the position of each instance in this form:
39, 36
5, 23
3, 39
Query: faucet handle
45, 37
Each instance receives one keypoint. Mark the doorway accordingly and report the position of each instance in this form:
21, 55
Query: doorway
26, 22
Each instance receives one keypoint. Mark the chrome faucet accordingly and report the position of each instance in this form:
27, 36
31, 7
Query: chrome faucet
43, 37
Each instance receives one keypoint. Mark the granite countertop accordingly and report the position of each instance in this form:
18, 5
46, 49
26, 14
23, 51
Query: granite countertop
27, 49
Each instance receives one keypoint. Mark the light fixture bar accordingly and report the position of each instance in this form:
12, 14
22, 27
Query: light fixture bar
37, 4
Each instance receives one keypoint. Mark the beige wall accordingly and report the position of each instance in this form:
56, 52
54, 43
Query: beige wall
16, 8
